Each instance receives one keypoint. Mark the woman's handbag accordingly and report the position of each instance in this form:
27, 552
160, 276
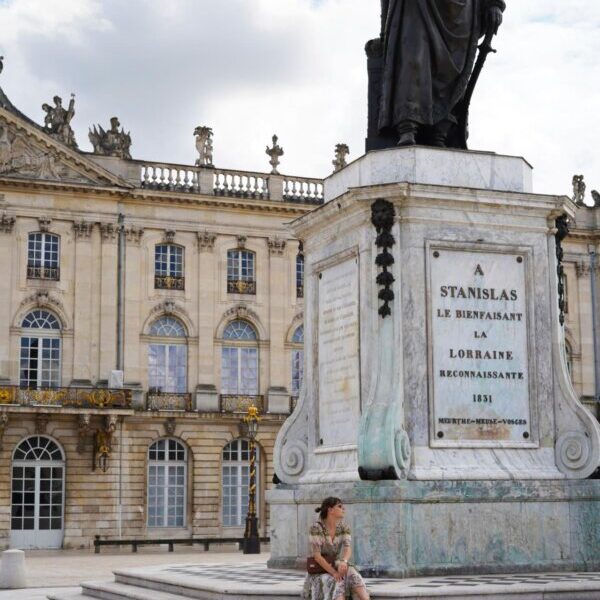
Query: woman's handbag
314, 568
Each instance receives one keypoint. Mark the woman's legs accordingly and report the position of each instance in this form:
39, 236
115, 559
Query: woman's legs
360, 593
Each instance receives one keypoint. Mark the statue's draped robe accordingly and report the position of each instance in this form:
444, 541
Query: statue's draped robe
429, 51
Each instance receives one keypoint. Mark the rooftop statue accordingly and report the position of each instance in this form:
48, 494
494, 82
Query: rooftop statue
204, 145
57, 121
112, 142
423, 69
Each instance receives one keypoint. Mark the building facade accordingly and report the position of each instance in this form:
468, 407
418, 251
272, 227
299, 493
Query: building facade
143, 308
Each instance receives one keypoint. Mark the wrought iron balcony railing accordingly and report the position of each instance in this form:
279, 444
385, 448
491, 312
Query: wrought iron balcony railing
239, 403
66, 397
240, 286
34, 272
169, 282
168, 401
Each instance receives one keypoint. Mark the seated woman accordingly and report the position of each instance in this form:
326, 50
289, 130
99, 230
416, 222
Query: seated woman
330, 538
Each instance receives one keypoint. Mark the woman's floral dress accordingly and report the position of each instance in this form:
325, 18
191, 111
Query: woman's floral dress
325, 587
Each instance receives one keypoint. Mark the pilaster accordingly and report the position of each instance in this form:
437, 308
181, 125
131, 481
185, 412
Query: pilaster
207, 290
278, 294
7, 241
108, 299
586, 325
132, 295
82, 290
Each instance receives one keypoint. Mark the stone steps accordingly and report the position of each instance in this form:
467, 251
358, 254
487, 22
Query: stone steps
256, 582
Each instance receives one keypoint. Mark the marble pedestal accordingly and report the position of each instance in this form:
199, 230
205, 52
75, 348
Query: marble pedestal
449, 427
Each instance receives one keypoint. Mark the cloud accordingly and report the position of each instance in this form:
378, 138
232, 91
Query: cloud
251, 68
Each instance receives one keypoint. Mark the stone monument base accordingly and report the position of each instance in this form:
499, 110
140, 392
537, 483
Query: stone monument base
414, 528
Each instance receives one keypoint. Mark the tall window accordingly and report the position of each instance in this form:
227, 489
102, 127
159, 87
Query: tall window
240, 272
167, 356
239, 360
43, 256
300, 275
167, 464
40, 350
236, 475
297, 360
168, 267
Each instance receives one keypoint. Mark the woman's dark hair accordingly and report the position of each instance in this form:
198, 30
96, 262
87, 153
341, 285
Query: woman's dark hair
326, 505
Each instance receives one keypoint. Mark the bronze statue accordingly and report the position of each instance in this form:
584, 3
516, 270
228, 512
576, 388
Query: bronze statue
423, 69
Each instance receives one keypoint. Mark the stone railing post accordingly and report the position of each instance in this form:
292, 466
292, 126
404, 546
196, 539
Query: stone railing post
276, 188
206, 181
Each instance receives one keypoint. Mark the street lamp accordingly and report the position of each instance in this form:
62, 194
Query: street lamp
251, 539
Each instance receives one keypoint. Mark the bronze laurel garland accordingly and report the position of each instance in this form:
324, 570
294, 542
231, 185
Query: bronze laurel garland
562, 230
382, 217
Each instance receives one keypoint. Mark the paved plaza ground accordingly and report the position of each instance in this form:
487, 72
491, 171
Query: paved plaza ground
59, 570
59, 573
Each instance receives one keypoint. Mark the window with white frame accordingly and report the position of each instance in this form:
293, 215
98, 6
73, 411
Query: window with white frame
43, 252
297, 360
239, 359
236, 476
167, 356
40, 350
167, 476
168, 267
241, 272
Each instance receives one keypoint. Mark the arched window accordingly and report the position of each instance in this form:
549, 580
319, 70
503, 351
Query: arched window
236, 475
167, 356
241, 272
239, 360
300, 275
40, 350
43, 256
37, 494
167, 476
297, 360
168, 267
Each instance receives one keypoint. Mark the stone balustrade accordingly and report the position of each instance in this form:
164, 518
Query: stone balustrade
303, 189
228, 183
239, 184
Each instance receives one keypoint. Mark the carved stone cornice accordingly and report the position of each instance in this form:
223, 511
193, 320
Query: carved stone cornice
43, 299
276, 246
109, 232
7, 223
206, 241
44, 223
83, 229
134, 234
41, 423
241, 311
170, 426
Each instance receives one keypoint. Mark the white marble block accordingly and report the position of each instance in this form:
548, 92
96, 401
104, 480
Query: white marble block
12, 569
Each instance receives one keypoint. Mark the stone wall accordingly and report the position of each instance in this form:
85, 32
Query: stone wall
92, 505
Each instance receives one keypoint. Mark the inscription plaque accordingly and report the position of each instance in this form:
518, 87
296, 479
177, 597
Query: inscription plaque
338, 354
479, 357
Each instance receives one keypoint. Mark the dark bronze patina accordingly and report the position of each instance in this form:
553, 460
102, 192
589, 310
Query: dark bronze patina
424, 67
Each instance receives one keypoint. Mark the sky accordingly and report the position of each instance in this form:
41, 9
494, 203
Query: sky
296, 68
